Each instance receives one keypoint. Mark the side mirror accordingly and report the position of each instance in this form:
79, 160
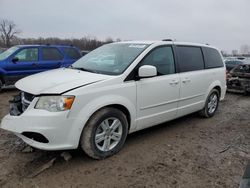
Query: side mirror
15, 59
147, 71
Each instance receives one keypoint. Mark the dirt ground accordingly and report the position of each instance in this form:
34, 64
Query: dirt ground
188, 152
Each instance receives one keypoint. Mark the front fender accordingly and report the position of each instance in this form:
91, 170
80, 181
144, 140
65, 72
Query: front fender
94, 105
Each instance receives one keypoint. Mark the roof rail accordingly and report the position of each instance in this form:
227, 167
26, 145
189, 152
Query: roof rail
167, 40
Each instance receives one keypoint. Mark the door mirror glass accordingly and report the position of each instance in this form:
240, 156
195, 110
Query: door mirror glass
146, 71
15, 59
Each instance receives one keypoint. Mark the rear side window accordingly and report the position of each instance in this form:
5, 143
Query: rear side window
72, 53
190, 58
212, 58
51, 54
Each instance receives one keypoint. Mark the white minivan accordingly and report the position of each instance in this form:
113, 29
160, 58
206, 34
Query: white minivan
114, 90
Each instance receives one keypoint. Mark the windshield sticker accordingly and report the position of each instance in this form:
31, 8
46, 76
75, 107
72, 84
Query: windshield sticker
137, 46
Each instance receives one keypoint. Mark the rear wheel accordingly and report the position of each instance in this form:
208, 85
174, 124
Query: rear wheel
211, 105
105, 133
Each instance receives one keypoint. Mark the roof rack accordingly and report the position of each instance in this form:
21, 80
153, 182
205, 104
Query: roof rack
167, 40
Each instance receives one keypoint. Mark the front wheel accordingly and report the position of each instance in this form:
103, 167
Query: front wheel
1, 85
211, 105
105, 133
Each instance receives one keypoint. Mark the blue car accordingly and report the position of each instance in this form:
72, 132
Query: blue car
23, 60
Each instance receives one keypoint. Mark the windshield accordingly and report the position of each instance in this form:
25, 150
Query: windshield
111, 59
8, 52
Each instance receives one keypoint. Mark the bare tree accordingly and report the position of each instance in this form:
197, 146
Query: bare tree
8, 31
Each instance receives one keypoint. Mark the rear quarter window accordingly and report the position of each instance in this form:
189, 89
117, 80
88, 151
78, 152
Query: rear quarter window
51, 54
212, 58
190, 58
72, 53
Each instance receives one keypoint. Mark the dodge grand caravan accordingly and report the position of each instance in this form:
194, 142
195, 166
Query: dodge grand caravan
114, 90
24, 60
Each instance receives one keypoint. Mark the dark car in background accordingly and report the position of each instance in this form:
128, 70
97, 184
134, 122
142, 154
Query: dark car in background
238, 79
231, 63
23, 60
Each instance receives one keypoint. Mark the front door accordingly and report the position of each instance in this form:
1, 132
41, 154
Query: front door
157, 97
25, 64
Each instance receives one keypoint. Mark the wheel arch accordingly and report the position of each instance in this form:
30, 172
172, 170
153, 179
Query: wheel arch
218, 88
83, 115
2, 77
215, 85
122, 109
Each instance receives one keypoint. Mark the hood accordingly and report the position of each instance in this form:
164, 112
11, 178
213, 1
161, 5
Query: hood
58, 81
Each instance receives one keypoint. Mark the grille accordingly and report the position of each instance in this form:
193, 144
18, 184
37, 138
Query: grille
28, 96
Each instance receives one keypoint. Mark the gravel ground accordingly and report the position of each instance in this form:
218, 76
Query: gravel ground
187, 152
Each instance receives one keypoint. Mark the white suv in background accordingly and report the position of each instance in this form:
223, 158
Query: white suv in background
114, 90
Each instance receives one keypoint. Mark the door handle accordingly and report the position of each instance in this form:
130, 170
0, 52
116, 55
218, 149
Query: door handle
174, 82
186, 80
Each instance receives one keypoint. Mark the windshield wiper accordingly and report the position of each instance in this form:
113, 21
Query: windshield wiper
82, 69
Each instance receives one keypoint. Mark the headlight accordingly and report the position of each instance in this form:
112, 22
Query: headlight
55, 103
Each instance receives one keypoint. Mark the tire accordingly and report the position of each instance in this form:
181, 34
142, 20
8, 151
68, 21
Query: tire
105, 133
211, 104
1, 85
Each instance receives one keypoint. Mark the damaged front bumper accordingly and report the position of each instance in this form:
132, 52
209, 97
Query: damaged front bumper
239, 79
240, 85
40, 128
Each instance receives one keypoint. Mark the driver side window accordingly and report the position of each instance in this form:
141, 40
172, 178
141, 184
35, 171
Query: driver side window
162, 58
28, 54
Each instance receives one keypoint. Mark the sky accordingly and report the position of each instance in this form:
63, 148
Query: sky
221, 23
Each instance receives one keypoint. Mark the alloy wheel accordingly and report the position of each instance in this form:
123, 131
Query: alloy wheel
212, 103
108, 134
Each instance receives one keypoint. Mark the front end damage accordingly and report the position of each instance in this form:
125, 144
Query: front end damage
40, 128
19, 103
238, 79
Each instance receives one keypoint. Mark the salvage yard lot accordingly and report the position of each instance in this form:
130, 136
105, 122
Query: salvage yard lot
188, 152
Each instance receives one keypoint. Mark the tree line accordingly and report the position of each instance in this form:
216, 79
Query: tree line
9, 36
84, 43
